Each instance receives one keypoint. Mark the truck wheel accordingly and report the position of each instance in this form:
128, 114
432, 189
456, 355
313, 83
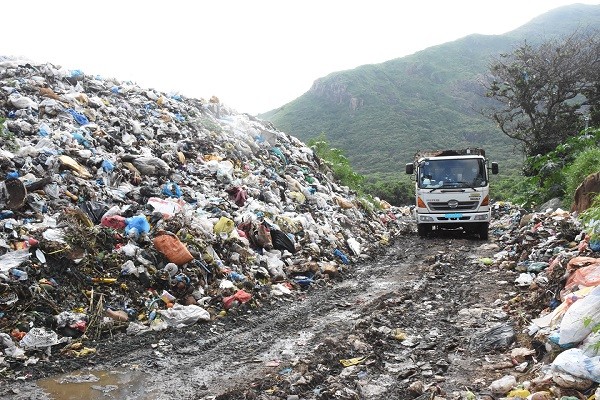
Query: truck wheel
483, 231
423, 230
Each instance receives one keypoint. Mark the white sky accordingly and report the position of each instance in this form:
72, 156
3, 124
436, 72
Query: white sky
255, 55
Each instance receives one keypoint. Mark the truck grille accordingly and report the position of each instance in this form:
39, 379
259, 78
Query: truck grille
462, 206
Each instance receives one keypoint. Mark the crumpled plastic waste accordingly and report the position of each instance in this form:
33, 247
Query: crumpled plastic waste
180, 316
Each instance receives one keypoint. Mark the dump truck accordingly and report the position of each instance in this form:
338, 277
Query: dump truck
452, 190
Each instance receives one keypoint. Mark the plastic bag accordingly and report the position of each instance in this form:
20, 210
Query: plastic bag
170, 245
499, 337
94, 210
225, 171
10, 349
180, 316
39, 338
580, 318
258, 233
224, 226
340, 254
171, 189
238, 195
137, 225
354, 246
113, 221
167, 207
239, 297
575, 362
503, 385
282, 241
13, 259
79, 117
585, 276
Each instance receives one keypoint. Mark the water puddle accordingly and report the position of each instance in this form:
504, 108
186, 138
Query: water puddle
90, 384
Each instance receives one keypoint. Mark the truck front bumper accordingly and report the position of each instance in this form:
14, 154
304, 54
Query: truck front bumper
451, 218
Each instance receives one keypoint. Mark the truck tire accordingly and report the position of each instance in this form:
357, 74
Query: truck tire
423, 230
484, 231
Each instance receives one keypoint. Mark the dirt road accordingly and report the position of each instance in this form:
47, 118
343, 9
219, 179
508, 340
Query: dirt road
399, 326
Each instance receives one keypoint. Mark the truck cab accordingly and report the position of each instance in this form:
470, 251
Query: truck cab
452, 190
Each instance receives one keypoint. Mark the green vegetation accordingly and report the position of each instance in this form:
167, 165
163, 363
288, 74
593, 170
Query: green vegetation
591, 220
338, 162
376, 117
380, 115
559, 172
545, 93
7, 138
396, 193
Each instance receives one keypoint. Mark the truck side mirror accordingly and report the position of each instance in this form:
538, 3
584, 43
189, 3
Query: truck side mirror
410, 168
494, 168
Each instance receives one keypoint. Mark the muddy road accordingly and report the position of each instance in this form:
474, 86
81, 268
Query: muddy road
402, 325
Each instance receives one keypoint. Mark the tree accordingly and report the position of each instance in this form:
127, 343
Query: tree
546, 93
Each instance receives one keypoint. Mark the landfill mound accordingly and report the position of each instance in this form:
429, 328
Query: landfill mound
124, 208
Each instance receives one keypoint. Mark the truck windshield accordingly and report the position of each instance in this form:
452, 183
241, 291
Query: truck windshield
452, 173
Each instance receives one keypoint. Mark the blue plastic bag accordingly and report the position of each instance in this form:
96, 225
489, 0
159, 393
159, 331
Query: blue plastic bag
595, 244
44, 130
338, 253
79, 117
107, 166
136, 225
81, 139
171, 189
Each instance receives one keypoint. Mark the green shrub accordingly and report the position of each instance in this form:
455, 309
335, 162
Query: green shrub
557, 173
338, 162
585, 164
516, 189
591, 219
397, 193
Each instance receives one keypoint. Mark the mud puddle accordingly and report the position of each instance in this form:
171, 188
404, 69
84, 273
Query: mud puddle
95, 385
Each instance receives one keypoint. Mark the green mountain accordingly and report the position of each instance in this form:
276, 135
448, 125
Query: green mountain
381, 114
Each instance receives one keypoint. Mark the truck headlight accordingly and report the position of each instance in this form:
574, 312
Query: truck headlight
481, 217
425, 218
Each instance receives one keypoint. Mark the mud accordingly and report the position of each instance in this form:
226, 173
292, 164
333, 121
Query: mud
404, 323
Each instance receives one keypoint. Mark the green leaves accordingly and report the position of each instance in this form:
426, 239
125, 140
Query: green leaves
337, 161
547, 90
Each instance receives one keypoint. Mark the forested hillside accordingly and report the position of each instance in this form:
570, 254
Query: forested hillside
381, 114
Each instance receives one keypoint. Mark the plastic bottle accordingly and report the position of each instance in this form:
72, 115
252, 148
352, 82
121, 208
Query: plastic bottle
19, 274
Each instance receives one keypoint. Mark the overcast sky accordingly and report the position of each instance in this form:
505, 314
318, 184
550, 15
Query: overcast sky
255, 55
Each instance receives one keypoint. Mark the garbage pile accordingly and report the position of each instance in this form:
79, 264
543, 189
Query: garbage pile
127, 207
557, 301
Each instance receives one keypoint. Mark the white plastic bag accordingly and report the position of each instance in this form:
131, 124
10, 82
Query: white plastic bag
179, 315
503, 385
354, 246
580, 318
13, 259
575, 362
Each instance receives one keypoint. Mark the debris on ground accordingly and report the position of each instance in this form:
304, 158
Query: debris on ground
126, 209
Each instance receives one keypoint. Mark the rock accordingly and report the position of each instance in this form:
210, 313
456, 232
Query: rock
585, 193
550, 205
416, 388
